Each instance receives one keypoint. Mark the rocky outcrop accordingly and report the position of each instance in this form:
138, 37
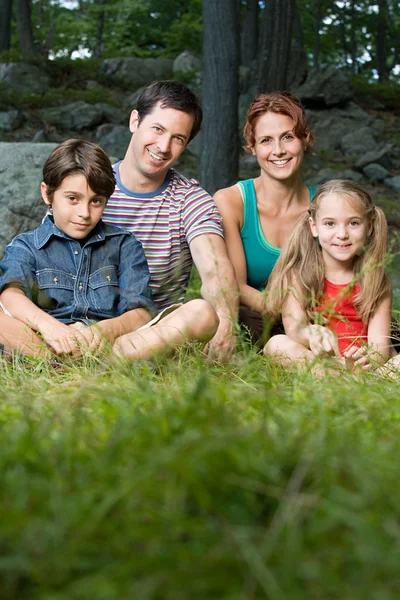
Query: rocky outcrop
326, 86
136, 72
22, 77
21, 206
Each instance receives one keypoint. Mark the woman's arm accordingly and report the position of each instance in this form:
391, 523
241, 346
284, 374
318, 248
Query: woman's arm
230, 204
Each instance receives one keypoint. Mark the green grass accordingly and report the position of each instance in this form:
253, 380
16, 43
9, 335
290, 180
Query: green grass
187, 480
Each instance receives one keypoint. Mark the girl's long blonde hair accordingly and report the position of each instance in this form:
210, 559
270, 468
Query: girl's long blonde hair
300, 267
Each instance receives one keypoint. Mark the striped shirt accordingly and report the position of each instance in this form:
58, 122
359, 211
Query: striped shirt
165, 221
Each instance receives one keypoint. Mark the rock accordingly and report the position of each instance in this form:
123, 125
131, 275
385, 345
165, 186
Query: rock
111, 114
393, 183
23, 78
325, 86
349, 174
21, 206
330, 126
136, 72
378, 155
323, 175
186, 62
114, 139
355, 142
77, 115
10, 120
375, 172
130, 102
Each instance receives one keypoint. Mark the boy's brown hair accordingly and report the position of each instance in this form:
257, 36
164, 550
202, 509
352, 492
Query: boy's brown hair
79, 156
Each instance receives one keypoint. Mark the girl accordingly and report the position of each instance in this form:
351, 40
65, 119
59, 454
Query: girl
330, 283
258, 214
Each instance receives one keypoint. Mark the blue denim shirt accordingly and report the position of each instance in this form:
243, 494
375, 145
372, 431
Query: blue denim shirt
105, 277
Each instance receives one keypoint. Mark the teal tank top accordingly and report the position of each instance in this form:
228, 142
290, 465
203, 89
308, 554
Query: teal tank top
261, 256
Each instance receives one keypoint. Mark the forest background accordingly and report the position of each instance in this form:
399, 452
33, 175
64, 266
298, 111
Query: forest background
184, 479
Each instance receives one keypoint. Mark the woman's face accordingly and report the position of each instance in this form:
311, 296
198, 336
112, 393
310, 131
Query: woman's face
278, 150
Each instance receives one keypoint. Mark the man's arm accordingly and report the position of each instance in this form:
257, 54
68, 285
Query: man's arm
219, 288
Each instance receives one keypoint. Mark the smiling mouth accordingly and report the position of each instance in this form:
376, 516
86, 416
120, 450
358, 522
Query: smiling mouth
343, 246
156, 157
280, 163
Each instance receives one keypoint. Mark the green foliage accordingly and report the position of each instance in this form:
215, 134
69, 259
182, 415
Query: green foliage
386, 95
54, 97
190, 481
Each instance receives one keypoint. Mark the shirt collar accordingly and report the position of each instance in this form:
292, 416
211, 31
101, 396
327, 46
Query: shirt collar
48, 229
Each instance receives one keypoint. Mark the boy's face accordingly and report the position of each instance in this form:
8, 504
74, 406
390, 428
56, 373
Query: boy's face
76, 207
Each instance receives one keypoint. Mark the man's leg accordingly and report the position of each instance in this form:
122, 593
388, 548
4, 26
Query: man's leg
195, 320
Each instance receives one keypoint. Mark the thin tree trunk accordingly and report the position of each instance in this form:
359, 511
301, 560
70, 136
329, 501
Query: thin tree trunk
219, 156
353, 41
249, 36
318, 20
5, 25
24, 27
275, 45
381, 46
100, 28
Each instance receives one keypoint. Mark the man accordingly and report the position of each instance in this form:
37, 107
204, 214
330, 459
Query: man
177, 222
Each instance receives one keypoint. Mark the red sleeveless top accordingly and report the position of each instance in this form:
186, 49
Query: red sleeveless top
337, 307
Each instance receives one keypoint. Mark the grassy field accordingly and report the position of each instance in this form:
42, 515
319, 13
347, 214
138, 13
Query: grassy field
184, 480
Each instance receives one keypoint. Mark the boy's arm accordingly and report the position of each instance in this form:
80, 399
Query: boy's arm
135, 305
61, 338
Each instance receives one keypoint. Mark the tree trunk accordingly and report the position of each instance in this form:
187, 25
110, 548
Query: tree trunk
100, 28
249, 37
381, 47
220, 144
353, 41
318, 20
24, 27
276, 38
5, 25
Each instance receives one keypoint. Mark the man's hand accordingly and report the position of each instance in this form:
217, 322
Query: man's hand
322, 341
223, 345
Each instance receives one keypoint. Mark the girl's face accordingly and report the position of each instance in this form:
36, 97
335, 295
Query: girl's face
341, 227
278, 150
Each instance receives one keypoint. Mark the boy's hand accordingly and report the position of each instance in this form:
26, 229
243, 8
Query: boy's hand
322, 341
63, 339
94, 338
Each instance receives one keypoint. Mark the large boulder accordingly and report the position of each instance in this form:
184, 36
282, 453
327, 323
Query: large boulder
23, 78
325, 86
21, 206
355, 142
331, 125
114, 139
10, 120
186, 62
136, 72
77, 115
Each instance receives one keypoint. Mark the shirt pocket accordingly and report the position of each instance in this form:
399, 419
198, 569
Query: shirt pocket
104, 290
55, 288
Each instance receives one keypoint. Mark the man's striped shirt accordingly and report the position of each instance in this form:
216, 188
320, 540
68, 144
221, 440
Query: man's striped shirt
165, 222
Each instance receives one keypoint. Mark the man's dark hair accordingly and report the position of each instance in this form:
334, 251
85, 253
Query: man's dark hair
171, 94
79, 156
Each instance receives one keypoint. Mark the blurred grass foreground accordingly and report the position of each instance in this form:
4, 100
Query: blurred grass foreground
183, 480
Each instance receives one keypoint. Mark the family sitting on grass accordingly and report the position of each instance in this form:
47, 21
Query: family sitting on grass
109, 265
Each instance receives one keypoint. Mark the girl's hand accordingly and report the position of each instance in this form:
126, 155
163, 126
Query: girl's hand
357, 358
322, 341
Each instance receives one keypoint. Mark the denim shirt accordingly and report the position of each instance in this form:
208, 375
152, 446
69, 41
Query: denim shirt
100, 279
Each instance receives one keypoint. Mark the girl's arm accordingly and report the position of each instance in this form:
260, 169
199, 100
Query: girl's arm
230, 204
61, 338
379, 344
317, 338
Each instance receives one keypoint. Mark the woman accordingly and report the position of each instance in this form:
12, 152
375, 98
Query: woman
258, 214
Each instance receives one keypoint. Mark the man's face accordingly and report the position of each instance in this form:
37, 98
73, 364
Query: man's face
159, 139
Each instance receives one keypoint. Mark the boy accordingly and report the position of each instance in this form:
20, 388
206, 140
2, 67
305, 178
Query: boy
75, 280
